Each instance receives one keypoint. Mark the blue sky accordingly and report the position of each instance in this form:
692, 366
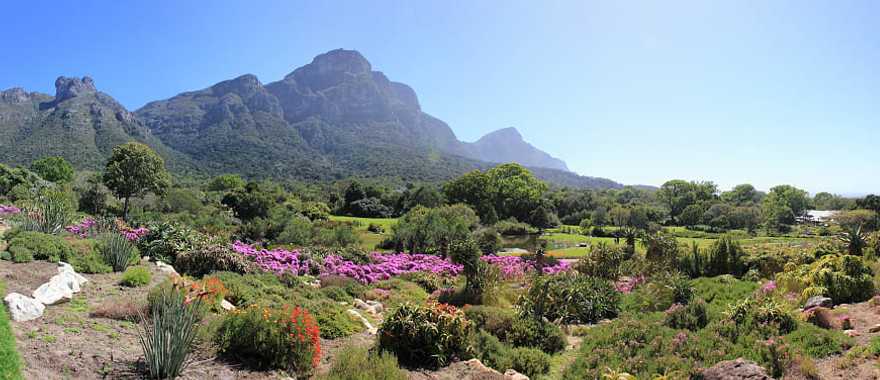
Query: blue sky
637, 91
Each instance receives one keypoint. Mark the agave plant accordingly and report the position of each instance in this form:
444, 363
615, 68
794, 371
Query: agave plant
167, 336
855, 240
48, 213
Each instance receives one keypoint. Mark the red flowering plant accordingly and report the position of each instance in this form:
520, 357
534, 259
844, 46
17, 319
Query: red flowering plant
286, 338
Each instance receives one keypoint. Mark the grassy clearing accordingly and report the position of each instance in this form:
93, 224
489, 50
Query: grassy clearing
10, 362
369, 240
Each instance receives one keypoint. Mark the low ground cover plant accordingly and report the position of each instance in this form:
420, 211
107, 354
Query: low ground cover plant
136, 276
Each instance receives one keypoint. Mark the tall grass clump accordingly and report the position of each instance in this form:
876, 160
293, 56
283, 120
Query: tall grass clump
117, 251
167, 337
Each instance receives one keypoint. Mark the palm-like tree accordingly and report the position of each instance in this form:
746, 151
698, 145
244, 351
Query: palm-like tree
855, 240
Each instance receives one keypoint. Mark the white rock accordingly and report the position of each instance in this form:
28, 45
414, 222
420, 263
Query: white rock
165, 268
513, 375
370, 328
54, 292
23, 308
226, 305
67, 268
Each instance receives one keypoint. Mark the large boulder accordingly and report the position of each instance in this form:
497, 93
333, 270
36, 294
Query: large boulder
59, 289
23, 308
739, 369
818, 301
65, 268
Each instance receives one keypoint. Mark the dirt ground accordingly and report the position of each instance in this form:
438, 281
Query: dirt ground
863, 316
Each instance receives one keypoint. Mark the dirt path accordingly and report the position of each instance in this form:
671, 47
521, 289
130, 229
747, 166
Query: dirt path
863, 316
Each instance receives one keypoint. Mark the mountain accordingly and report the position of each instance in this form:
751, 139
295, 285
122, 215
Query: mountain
79, 123
507, 145
333, 118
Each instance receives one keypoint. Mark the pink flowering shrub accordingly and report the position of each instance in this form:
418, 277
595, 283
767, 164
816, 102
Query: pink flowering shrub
88, 227
626, 284
381, 266
6, 210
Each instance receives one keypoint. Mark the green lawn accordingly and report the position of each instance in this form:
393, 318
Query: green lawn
369, 240
10, 363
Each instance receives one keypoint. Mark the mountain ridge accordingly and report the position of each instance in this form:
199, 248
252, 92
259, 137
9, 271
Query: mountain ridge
332, 118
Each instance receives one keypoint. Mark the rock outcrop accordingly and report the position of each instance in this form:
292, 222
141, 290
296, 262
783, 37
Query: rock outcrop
739, 369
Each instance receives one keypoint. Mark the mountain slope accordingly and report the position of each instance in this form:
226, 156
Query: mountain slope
80, 124
507, 145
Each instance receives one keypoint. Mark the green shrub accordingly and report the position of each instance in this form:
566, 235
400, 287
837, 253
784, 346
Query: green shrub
337, 294
570, 298
136, 276
495, 320
725, 257
529, 361
20, 254
721, 291
843, 278
265, 338
431, 282
818, 342
692, 316
528, 332
30, 245
603, 261
763, 315
511, 227
335, 321
10, 361
489, 240
212, 258
91, 262
357, 363
398, 291
167, 240
117, 251
429, 336
167, 338
663, 290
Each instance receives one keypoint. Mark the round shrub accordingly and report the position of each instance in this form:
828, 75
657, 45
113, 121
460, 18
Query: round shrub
263, 338
357, 363
603, 261
692, 316
167, 240
334, 319
31, 245
429, 336
495, 320
527, 332
136, 276
570, 298
529, 361
212, 258
843, 278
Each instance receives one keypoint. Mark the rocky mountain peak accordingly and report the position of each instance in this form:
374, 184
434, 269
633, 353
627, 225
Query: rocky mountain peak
244, 85
341, 60
67, 88
509, 134
14, 95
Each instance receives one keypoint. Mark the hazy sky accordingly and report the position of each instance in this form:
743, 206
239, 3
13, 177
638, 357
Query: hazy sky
766, 92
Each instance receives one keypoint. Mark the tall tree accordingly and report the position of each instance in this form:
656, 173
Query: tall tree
53, 169
134, 170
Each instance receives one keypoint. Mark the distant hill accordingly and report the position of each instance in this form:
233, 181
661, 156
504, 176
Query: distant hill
507, 145
332, 118
79, 123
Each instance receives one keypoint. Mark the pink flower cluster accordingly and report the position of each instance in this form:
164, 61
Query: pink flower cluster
9, 210
83, 228
385, 266
515, 266
133, 234
627, 284
277, 261
768, 287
